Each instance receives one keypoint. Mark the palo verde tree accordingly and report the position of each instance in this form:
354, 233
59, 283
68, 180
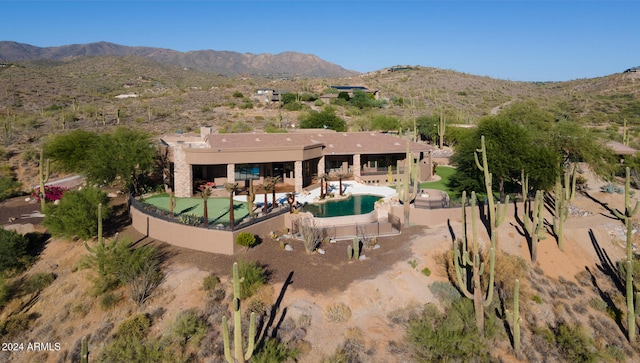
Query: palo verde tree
125, 154
325, 119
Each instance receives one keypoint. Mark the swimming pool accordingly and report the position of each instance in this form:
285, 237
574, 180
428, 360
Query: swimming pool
354, 205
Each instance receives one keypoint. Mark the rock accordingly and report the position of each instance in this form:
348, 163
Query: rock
362, 258
27, 199
376, 247
321, 251
112, 195
56, 202
333, 240
288, 247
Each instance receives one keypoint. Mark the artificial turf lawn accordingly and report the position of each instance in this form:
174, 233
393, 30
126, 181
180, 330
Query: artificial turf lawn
444, 172
218, 208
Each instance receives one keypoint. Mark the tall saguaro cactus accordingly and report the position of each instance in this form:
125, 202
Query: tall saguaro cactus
469, 259
410, 178
239, 356
626, 217
514, 317
563, 195
44, 177
84, 350
442, 126
497, 214
535, 227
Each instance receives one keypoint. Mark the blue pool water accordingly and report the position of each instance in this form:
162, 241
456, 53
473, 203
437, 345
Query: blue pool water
356, 204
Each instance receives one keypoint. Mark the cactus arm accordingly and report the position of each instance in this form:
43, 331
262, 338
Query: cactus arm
252, 336
225, 338
458, 267
514, 318
492, 266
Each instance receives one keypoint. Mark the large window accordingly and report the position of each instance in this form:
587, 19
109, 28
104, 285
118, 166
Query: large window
247, 171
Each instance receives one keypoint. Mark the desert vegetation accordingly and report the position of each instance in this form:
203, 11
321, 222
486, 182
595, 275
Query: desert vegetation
124, 299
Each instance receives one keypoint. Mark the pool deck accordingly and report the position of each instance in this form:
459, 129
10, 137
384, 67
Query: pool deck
348, 186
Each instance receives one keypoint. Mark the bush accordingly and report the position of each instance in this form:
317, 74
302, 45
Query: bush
39, 281
16, 324
191, 219
272, 350
238, 94
426, 271
13, 252
77, 213
338, 313
51, 193
449, 336
132, 344
109, 300
253, 277
189, 327
445, 292
246, 239
575, 344
9, 187
210, 283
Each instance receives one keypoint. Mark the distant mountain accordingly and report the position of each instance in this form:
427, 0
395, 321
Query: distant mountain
221, 62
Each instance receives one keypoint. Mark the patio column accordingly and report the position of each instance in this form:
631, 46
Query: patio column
297, 172
231, 173
182, 173
356, 165
321, 165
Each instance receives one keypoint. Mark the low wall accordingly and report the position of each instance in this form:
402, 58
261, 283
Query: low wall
197, 238
434, 217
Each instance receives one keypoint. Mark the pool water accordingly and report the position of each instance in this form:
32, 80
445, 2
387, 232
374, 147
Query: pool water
356, 204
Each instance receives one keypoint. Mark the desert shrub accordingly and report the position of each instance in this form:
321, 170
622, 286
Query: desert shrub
246, 239
37, 282
13, 252
16, 324
238, 94
446, 293
210, 283
616, 353
574, 343
447, 337
272, 350
77, 213
131, 343
109, 300
189, 327
5, 292
426, 271
253, 277
9, 187
338, 313
117, 263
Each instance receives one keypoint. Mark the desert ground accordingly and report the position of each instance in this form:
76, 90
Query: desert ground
304, 285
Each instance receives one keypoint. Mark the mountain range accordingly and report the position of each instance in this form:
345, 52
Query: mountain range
286, 64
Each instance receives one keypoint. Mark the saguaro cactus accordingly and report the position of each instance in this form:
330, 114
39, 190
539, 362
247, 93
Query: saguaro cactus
535, 227
469, 259
563, 195
626, 218
442, 126
514, 318
239, 356
410, 178
44, 177
84, 350
496, 213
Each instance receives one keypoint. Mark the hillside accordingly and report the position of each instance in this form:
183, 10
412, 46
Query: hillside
286, 64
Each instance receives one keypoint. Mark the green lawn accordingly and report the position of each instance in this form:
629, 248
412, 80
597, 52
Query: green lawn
218, 208
445, 173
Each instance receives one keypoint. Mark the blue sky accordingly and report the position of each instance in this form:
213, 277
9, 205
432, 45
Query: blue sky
512, 40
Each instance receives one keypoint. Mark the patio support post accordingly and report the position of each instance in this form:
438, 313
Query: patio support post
182, 173
356, 165
297, 167
231, 173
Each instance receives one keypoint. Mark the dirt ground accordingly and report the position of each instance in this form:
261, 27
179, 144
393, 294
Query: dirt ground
389, 279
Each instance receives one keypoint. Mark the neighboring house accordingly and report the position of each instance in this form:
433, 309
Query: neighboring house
621, 150
268, 95
350, 89
296, 157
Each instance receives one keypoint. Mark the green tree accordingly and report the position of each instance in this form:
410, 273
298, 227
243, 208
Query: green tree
124, 153
77, 213
385, 123
363, 100
327, 118
13, 251
510, 149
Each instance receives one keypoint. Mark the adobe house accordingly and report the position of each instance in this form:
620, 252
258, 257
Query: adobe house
297, 157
